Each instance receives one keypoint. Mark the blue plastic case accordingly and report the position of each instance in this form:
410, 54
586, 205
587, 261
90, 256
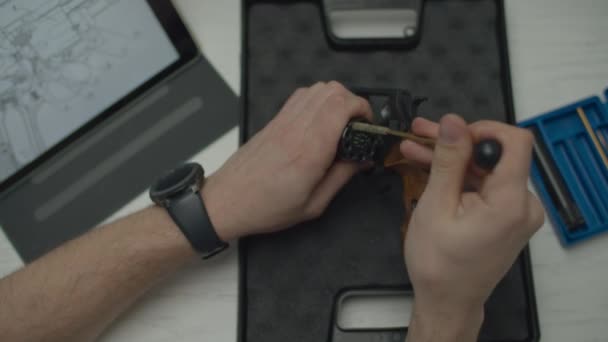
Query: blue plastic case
578, 162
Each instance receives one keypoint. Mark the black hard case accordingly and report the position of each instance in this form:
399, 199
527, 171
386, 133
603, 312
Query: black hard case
290, 281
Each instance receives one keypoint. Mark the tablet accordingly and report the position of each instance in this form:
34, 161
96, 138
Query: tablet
67, 65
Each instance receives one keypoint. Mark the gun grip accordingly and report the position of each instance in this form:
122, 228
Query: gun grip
414, 179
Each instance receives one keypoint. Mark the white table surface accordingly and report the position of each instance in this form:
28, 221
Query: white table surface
559, 54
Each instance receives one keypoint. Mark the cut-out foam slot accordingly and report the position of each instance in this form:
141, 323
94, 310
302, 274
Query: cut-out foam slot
597, 171
576, 185
580, 161
562, 127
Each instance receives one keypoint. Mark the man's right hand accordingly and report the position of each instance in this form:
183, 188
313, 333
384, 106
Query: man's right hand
460, 244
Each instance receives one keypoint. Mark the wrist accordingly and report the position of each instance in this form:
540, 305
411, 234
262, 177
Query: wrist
445, 323
168, 239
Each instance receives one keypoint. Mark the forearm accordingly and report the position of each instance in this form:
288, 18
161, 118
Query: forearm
431, 325
75, 291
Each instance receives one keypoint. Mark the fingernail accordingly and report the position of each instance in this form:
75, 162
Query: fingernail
404, 143
450, 129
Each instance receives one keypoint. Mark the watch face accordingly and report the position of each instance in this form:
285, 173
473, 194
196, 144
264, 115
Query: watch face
176, 181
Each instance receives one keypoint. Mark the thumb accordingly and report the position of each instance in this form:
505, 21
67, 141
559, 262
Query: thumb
450, 162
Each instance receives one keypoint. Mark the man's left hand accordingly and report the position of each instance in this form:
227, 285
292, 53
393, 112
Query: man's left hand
287, 173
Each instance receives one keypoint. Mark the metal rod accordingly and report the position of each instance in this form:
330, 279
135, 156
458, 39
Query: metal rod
601, 137
375, 129
589, 129
555, 185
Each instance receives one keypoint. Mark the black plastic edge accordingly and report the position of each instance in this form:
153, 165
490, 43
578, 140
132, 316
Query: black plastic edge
241, 325
505, 66
532, 312
184, 44
244, 72
175, 28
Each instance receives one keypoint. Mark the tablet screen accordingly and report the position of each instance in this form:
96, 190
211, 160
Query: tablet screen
64, 62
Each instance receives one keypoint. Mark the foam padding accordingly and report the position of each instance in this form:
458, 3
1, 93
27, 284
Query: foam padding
290, 279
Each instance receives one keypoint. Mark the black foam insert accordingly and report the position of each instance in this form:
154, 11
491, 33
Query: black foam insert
290, 279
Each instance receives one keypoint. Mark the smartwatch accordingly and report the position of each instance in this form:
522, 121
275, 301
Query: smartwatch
178, 192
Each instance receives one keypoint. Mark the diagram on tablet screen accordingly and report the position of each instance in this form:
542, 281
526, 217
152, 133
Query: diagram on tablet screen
63, 62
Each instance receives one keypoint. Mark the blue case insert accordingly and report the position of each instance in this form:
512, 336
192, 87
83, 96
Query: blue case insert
577, 162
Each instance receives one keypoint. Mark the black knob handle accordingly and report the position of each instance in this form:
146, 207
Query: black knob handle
487, 153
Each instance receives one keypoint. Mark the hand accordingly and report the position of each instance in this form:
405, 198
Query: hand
287, 173
460, 244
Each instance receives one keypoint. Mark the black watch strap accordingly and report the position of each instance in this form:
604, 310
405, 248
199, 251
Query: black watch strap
189, 213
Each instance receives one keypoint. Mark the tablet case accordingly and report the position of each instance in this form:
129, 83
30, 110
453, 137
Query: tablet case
104, 169
290, 281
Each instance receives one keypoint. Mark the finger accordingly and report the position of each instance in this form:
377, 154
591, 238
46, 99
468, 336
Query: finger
353, 105
416, 152
337, 111
425, 127
320, 95
302, 106
472, 183
294, 98
450, 162
471, 201
423, 155
536, 213
359, 107
336, 177
513, 169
